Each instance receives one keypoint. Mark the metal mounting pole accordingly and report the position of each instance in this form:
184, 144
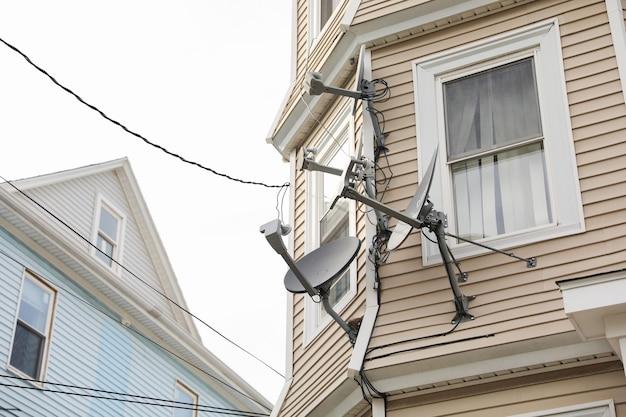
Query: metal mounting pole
461, 301
350, 331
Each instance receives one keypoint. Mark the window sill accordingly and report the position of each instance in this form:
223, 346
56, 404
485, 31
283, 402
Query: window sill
27, 379
431, 255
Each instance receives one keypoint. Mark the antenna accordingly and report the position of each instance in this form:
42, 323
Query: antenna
416, 207
316, 272
308, 162
420, 214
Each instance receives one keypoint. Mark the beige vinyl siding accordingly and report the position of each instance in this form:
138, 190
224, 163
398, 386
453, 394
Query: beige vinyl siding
513, 302
372, 9
322, 363
310, 59
603, 382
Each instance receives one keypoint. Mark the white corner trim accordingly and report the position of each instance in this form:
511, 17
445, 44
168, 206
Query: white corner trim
371, 293
348, 17
289, 297
605, 408
618, 33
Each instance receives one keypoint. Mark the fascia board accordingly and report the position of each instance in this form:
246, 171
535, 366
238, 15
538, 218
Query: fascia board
132, 305
66, 175
151, 237
285, 137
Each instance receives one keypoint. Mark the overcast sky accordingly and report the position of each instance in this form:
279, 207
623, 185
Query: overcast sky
203, 78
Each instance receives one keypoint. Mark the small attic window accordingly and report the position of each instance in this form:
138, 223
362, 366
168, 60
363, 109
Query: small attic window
107, 236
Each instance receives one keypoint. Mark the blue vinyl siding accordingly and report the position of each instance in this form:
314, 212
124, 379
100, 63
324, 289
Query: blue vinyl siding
86, 349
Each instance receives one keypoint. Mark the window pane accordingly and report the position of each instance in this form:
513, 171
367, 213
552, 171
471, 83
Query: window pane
332, 184
326, 9
106, 247
108, 224
34, 306
491, 108
27, 351
501, 193
186, 397
339, 289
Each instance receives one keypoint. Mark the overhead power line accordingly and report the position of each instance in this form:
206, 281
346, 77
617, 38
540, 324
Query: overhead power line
146, 283
123, 400
200, 407
140, 334
132, 132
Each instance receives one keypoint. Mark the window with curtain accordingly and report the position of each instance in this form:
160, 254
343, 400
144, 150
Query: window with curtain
495, 151
32, 329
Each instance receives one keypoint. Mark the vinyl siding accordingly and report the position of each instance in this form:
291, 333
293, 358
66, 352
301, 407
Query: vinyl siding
86, 349
322, 362
513, 302
310, 58
74, 202
372, 9
534, 397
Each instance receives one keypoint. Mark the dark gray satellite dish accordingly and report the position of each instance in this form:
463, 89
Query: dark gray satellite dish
315, 273
324, 265
414, 209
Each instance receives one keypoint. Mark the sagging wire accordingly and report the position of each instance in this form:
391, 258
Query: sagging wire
280, 201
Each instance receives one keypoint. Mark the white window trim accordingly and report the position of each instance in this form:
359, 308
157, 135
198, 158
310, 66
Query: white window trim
118, 251
542, 40
606, 407
313, 326
27, 274
315, 32
184, 387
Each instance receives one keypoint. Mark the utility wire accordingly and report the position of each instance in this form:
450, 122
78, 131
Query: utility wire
132, 132
123, 400
138, 333
156, 290
200, 407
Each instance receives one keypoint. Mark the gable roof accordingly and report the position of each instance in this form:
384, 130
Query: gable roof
51, 240
139, 209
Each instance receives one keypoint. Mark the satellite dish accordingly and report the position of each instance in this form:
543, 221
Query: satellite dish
324, 265
402, 230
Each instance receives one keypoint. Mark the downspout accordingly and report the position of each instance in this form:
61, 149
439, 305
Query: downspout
289, 308
371, 286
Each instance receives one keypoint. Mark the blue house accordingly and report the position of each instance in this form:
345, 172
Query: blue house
89, 322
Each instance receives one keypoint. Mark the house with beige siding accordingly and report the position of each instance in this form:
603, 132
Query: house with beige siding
523, 103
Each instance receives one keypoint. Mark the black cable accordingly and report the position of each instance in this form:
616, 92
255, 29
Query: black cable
200, 407
138, 333
467, 339
126, 129
102, 397
415, 339
10, 411
156, 290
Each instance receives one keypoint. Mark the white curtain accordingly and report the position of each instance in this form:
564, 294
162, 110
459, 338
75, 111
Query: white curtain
505, 191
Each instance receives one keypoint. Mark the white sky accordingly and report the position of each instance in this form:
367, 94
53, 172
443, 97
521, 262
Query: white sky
204, 79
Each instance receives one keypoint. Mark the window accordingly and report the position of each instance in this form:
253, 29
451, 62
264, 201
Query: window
597, 409
32, 328
107, 233
325, 225
185, 395
497, 109
321, 11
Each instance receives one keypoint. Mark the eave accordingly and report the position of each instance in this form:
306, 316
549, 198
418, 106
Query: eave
412, 21
51, 241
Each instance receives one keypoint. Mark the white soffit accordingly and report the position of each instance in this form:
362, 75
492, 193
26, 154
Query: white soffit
587, 301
